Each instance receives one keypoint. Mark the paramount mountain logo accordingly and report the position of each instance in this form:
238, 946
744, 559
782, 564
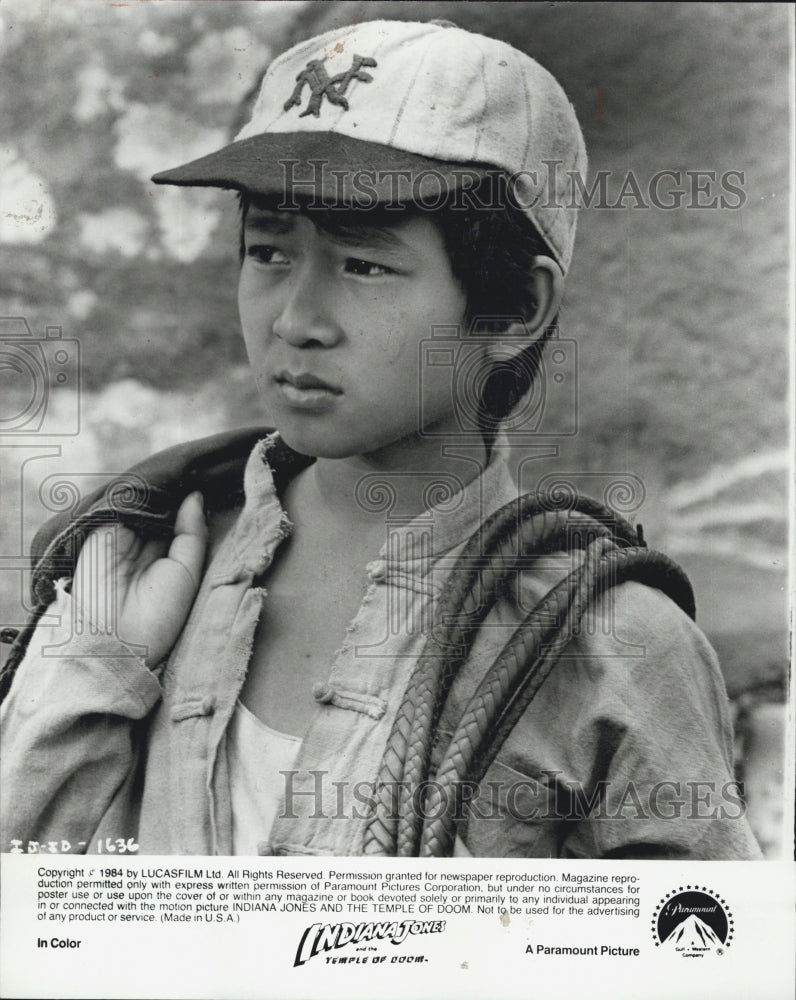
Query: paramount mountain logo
320, 938
692, 922
691, 935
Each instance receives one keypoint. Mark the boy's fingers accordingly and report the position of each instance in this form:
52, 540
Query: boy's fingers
106, 563
107, 549
190, 536
191, 516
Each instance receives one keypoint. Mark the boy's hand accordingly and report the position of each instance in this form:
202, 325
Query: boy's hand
142, 591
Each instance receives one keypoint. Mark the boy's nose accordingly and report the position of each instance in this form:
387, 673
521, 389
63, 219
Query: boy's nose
304, 319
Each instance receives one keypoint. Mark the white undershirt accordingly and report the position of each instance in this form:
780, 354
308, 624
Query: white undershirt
256, 754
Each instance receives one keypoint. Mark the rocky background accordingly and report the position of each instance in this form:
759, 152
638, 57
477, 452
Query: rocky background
679, 317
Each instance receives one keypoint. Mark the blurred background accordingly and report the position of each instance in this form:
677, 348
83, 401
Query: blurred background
680, 317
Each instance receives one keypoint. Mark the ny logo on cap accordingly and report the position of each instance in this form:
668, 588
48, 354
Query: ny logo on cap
322, 85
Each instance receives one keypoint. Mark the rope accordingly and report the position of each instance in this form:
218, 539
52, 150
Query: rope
515, 678
510, 540
507, 541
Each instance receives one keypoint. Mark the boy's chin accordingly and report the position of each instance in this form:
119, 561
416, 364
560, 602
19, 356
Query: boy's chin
317, 444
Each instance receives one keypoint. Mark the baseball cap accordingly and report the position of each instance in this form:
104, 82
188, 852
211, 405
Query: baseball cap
405, 111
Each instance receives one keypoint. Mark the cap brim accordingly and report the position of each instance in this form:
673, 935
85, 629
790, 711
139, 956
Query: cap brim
325, 165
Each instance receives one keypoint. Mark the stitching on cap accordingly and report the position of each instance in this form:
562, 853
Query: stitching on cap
405, 101
479, 133
529, 121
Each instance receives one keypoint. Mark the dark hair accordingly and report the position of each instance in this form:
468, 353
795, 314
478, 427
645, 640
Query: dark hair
491, 252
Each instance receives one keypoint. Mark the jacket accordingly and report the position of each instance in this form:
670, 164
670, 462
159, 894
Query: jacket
633, 720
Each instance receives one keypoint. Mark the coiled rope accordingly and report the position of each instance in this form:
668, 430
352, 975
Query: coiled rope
509, 541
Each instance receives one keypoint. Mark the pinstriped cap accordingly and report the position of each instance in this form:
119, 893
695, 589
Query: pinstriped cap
396, 109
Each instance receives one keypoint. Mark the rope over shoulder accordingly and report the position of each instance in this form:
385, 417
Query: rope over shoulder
511, 539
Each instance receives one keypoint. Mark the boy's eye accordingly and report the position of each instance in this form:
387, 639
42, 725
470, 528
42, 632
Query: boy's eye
366, 268
264, 254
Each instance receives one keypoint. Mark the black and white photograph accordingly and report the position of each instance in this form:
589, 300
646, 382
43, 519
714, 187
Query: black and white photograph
396, 489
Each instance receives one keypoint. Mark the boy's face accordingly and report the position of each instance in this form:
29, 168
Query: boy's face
333, 317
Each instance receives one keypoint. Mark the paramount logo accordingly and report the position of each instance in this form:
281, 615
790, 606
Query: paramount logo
319, 938
693, 922
693, 935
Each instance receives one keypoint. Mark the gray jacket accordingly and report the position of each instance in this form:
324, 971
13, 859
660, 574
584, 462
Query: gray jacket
633, 719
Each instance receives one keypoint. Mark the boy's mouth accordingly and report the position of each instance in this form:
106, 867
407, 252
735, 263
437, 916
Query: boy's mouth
305, 389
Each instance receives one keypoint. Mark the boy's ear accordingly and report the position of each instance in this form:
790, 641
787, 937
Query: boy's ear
545, 288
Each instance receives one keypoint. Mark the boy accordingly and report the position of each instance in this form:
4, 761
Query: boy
240, 693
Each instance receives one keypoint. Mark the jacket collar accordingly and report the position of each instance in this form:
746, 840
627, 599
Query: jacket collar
453, 513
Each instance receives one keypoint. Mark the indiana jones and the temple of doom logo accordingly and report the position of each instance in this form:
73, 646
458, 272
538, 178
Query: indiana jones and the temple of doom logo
318, 939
